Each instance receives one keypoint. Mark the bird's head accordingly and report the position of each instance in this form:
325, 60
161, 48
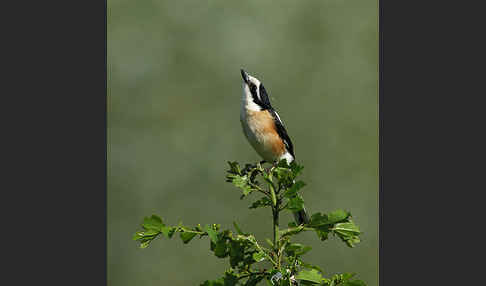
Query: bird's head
254, 93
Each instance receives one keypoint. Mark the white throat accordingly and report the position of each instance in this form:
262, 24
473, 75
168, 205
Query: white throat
247, 103
247, 100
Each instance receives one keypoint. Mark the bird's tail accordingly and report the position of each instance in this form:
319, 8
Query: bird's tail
301, 217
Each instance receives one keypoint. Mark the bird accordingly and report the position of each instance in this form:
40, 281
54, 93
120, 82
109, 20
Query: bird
264, 129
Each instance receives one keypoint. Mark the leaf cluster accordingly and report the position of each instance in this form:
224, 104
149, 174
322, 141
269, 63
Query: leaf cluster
279, 190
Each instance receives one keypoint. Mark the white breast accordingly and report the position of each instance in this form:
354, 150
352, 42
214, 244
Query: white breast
255, 125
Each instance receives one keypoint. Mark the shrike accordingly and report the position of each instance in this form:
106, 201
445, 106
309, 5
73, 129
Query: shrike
264, 129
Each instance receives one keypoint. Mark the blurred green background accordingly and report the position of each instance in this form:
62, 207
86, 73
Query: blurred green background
174, 94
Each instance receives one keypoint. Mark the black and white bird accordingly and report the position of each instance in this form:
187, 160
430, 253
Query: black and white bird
264, 129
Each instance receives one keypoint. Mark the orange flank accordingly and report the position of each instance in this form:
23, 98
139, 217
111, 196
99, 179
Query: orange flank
263, 125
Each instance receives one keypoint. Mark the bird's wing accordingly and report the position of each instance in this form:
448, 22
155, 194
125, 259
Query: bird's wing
282, 132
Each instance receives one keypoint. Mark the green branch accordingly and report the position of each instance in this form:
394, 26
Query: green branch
282, 193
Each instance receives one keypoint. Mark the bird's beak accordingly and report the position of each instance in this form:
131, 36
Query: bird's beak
244, 74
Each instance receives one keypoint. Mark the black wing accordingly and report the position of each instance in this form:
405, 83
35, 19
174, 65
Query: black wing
282, 132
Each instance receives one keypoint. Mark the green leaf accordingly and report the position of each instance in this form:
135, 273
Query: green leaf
346, 228
151, 232
284, 175
310, 266
348, 232
352, 241
187, 236
259, 256
154, 222
319, 219
221, 248
145, 244
310, 275
292, 191
242, 182
296, 203
337, 216
138, 235
236, 253
296, 249
291, 231
296, 168
265, 201
234, 168
283, 164
322, 234
213, 235
168, 231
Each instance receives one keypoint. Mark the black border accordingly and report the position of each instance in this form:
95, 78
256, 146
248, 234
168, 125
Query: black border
54, 143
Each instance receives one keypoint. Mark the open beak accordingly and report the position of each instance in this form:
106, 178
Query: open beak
244, 74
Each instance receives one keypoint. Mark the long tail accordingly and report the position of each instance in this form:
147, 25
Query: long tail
301, 217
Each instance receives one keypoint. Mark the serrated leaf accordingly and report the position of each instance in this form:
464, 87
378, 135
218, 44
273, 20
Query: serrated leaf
337, 216
213, 235
346, 228
319, 219
292, 191
138, 235
259, 256
310, 275
154, 222
187, 236
241, 182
